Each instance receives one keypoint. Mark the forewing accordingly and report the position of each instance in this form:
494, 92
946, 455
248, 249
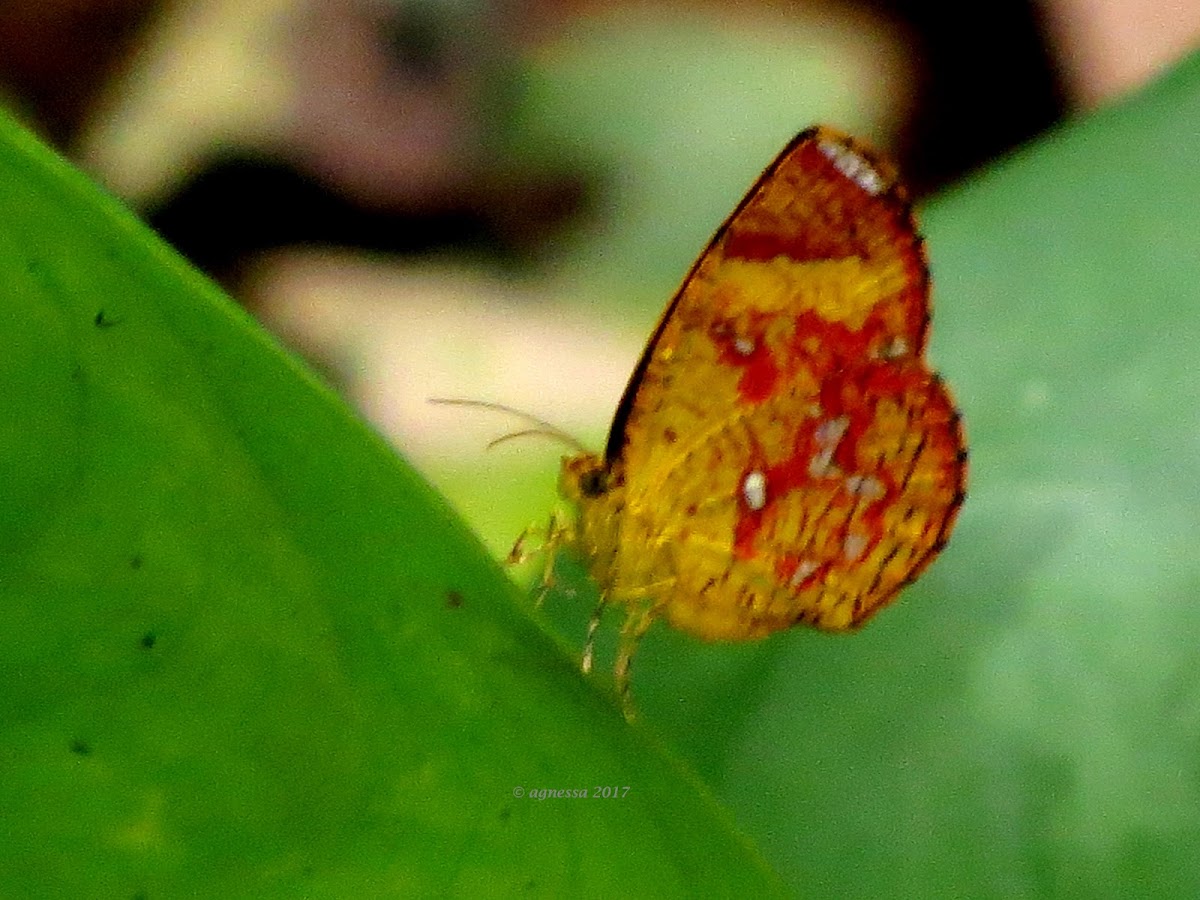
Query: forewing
836, 253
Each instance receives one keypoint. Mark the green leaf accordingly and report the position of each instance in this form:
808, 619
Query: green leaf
244, 650
1025, 721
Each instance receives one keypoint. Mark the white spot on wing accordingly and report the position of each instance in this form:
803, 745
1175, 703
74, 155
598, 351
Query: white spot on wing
803, 569
868, 487
831, 430
854, 546
852, 166
827, 435
744, 346
895, 348
754, 490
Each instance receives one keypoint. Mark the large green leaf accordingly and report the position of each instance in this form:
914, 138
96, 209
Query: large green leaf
1026, 720
244, 651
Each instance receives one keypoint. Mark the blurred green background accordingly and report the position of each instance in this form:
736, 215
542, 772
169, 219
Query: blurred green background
243, 653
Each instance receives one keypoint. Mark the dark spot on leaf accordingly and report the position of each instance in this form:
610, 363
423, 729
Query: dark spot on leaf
505, 813
148, 640
103, 320
454, 599
136, 562
81, 747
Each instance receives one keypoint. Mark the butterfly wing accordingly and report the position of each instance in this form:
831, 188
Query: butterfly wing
785, 452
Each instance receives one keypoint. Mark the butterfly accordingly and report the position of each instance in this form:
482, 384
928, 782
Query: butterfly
783, 454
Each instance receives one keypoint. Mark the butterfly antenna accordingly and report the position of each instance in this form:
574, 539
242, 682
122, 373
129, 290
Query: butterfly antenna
540, 426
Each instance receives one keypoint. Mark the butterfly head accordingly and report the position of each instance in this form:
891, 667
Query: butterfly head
596, 490
583, 477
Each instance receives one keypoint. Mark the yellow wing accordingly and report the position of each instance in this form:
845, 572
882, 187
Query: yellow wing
783, 453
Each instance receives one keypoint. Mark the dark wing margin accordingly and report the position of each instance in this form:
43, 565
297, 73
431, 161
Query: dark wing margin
617, 437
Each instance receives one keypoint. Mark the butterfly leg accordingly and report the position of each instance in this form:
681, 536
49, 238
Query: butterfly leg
635, 627
519, 554
558, 533
589, 644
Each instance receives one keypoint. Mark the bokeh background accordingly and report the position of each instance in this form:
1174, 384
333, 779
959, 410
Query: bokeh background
494, 201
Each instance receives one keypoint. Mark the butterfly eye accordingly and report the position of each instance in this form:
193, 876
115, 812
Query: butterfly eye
593, 483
